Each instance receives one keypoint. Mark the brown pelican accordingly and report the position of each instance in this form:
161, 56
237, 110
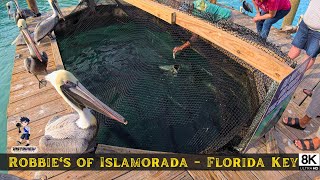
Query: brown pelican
75, 132
10, 9
36, 63
46, 26
20, 40
17, 12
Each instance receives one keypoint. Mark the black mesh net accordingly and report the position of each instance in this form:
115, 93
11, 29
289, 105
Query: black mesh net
205, 100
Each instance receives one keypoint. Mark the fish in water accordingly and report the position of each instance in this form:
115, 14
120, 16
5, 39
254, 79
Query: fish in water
172, 69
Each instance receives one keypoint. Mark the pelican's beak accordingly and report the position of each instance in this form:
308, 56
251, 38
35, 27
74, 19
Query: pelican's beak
57, 8
18, 8
81, 97
28, 39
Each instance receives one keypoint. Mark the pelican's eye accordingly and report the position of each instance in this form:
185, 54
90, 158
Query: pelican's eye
70, 84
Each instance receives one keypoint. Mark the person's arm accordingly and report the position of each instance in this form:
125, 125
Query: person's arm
182, 47
187, 44
256, 7
269, 15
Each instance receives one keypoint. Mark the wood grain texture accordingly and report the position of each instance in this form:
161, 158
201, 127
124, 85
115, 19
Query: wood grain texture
163, 12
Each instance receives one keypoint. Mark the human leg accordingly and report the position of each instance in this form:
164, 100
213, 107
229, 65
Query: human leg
300, 40
259, 24
309, 144
312, 46
313, 109
269, 22
294, 52
298, 123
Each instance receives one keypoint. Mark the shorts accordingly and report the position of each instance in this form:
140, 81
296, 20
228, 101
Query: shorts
25, 136
308, 40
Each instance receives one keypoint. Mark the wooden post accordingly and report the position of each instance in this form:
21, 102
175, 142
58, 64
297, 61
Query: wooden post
32, 4
213, 1
287, 21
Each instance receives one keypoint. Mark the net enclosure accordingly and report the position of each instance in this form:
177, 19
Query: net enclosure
205, 100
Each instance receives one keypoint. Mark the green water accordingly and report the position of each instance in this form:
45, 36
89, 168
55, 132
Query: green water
131, 69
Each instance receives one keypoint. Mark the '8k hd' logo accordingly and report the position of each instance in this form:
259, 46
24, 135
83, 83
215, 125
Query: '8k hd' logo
309, 161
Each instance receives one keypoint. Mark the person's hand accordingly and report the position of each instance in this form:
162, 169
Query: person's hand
255, 19
177, 49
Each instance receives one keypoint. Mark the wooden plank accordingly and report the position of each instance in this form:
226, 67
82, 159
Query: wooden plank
231, 174
267, 175
246, 175
103, 149
24, 104
293, 175
206, 174
271, 142
150, 175
163, 12
109, 174
254, 56
258, 147
183, 176
56, 53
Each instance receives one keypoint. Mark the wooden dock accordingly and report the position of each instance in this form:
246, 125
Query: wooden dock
40, 105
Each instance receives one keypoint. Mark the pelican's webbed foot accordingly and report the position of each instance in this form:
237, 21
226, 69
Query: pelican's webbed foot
42, 83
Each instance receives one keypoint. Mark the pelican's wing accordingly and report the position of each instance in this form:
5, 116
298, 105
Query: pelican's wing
64, 136
44, 27
28, 13
27, 64
62, 122
66, 127
20, 40
48, 144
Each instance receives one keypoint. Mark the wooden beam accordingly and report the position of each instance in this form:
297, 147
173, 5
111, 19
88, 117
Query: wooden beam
288, 19
103, 149
151, 7
251, 54
32, 4
213, 1
56, 53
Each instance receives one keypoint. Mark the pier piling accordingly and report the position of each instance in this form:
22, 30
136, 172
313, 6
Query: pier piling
287, 21
32, 4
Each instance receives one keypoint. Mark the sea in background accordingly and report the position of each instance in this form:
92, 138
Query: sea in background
9, 31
